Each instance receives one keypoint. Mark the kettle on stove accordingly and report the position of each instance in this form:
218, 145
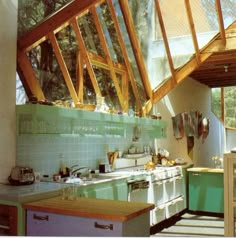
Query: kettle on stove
21, 176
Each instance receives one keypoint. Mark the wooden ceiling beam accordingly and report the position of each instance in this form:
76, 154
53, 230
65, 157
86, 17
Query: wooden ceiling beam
219, 84
30, 81
38, 33
220, 22
80, 77
99, 61
216, 45
215, 69
165, 39
181, 74
192, 29
63, 67
216, 75
85, 56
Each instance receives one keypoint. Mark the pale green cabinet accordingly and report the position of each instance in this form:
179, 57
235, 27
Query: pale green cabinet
206, 191
113, 190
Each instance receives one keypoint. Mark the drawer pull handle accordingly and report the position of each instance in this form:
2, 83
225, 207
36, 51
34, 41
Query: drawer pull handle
41, 218
103, 226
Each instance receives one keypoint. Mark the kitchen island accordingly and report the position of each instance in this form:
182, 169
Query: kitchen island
87, 217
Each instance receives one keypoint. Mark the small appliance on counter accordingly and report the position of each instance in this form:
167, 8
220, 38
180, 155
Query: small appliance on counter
105, 168
110, 166
21, 176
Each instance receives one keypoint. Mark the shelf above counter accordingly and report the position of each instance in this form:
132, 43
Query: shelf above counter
43, 119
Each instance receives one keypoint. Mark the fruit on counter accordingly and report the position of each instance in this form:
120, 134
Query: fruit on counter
149, 166
171, 162
167, 162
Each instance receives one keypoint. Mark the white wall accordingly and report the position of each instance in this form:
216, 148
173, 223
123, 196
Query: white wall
192, 96
8, 36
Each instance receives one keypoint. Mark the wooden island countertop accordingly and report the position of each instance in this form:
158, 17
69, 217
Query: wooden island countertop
91, 207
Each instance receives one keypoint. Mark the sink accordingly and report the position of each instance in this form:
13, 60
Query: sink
94, 178
73, 180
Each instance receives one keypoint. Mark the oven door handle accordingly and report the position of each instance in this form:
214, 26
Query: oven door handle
157, 183
179, 177
139, 185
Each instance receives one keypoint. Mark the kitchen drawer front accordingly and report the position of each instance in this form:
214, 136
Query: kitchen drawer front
158, 215
158, 193
174, 207
48, 224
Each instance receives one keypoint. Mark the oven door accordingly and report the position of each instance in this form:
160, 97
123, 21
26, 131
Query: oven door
138, 191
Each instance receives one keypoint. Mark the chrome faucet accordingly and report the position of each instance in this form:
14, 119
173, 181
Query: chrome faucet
72, 172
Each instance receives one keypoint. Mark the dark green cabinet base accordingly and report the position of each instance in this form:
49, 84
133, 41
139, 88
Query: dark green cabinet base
206, 192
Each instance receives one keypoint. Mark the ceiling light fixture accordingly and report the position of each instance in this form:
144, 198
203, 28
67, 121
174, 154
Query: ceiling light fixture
226, 67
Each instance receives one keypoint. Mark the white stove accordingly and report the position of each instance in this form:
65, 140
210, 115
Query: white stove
162, 186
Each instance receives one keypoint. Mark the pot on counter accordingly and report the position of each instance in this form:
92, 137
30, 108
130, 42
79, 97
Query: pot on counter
21, 176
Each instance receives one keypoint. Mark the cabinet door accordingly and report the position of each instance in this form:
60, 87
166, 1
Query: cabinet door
230, 194
120, 191
8, 220
87, 191
105, 191
114, 190
206, 192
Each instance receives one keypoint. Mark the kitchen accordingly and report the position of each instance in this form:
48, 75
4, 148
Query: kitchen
50, 150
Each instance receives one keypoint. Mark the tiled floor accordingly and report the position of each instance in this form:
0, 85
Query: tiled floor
194, 226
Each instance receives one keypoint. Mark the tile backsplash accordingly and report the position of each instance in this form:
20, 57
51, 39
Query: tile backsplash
44, 152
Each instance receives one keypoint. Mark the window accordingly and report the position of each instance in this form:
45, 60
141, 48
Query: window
224, 105
216, 102
230, 106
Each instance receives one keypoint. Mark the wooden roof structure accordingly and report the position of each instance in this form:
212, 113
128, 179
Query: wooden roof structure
214, 65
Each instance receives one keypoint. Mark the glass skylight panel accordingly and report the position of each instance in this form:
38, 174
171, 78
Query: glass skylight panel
177, 31
205, 20
140, 86
90, 34
107, 87
110, 33
228, 11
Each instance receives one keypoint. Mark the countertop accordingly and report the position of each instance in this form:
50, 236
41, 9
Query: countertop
27, 193
91, 207
206, 170
41, 190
